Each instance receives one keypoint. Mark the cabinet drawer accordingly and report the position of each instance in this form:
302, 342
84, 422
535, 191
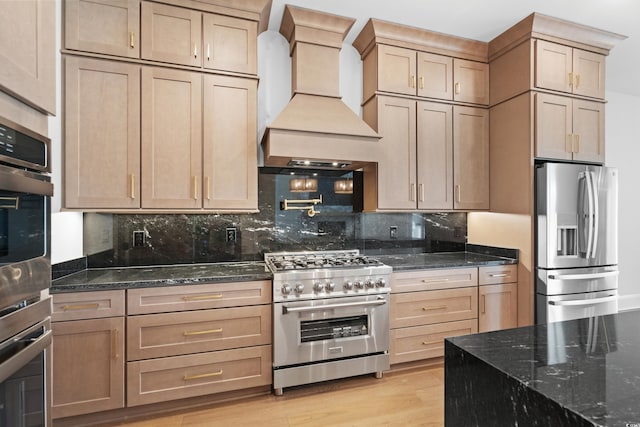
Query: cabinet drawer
172, 334
158, 380
425, 280
423, 342
87, 305
195, 297
423, 308
498, 274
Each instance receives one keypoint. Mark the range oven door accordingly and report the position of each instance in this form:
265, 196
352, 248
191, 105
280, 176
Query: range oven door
332, 328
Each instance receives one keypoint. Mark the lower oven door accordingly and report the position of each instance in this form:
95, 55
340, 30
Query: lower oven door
331, 328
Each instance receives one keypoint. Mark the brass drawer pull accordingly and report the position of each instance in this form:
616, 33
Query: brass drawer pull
431, 342
499, 275
201, 297
195, 377
80, 306
437, 307
439, 279
210, 331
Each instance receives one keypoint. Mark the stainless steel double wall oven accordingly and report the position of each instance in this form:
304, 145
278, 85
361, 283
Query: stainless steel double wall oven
25, 270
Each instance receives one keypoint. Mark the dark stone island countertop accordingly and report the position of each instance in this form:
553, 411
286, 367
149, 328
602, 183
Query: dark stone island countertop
583, 372
442, 260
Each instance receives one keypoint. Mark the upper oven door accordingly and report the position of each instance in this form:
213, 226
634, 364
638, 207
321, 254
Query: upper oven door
25, 266
330, 328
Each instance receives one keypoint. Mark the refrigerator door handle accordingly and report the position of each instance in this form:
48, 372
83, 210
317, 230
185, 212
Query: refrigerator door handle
584, 301
583, 276
596, 214
590, 215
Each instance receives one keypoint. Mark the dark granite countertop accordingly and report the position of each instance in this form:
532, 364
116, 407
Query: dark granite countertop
154, 276
582, 372
442, 260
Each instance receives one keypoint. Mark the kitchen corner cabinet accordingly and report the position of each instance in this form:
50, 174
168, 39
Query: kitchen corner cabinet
111, 27
428, 306
571, 70
431, 155
101, 134
28, 52
87, 352
569, 129
409, 72
497, 298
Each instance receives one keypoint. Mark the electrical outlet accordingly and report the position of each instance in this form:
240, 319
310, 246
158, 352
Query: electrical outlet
393, 232
139, 239
231, 234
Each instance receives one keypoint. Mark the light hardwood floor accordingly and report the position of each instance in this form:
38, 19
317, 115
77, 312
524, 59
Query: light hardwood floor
413, 397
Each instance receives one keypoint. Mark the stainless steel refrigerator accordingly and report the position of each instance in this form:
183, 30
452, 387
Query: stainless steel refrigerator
576, 241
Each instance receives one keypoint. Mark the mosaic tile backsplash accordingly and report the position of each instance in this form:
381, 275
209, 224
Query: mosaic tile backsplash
181, 239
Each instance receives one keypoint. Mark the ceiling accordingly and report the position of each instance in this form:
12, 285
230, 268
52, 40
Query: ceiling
483, 20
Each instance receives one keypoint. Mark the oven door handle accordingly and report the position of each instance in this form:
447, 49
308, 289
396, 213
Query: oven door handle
20, 359
307, 309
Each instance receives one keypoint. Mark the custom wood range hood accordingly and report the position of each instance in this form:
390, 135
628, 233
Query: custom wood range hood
316, 129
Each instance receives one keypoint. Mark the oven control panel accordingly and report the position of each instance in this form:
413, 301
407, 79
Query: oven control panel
328, 288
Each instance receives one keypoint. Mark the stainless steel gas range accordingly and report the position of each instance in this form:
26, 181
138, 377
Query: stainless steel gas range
330, 316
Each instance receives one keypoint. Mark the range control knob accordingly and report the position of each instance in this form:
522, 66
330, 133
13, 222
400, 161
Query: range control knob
286, 289
359, 284
369, 283
381, 283
299, 288
318, 287
330, 286
348, 286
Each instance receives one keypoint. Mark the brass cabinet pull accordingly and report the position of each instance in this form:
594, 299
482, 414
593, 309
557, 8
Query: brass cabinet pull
421, 192
439, 279
431, 342
80, 306
132, 39
421, 82
483, 309
208, 51
571, 79
209, 331
457, 88
498, 275
458, 191
437, 307
114, 334
412, 82
412, 192
577, 143
132, 185
207, 181
195, 377
572, 146
201, 297
577, 81
195, 50
195, 188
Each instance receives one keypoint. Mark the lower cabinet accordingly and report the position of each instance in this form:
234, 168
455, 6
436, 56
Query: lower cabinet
429, 306
498, 298
87, 353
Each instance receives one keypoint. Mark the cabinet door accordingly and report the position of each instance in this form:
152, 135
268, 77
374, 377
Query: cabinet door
171, 138
229, 44
471, 81
498, 307
471, 157
435, 76
435, 156
554, 64
397, 161
230, 145
88, 366
102, 134
103, 26
588, 131
396, 70
28, 52
588, 73
171, 34
554, 127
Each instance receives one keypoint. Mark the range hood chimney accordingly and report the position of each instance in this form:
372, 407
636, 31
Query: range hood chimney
316, 129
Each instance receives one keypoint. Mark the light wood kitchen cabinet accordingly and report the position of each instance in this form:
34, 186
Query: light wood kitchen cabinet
409, 72
171, 138
498, 298
28, 52
427, 306
88, 354
101, 134
229, 44
431, 155
570, 70
569, 129
111, 27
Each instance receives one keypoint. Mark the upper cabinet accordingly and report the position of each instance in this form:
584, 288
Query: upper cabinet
111, 27
27, 52
566, 69
229, 44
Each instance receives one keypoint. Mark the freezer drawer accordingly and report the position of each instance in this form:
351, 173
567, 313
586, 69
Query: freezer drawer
555, 308
576, 280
